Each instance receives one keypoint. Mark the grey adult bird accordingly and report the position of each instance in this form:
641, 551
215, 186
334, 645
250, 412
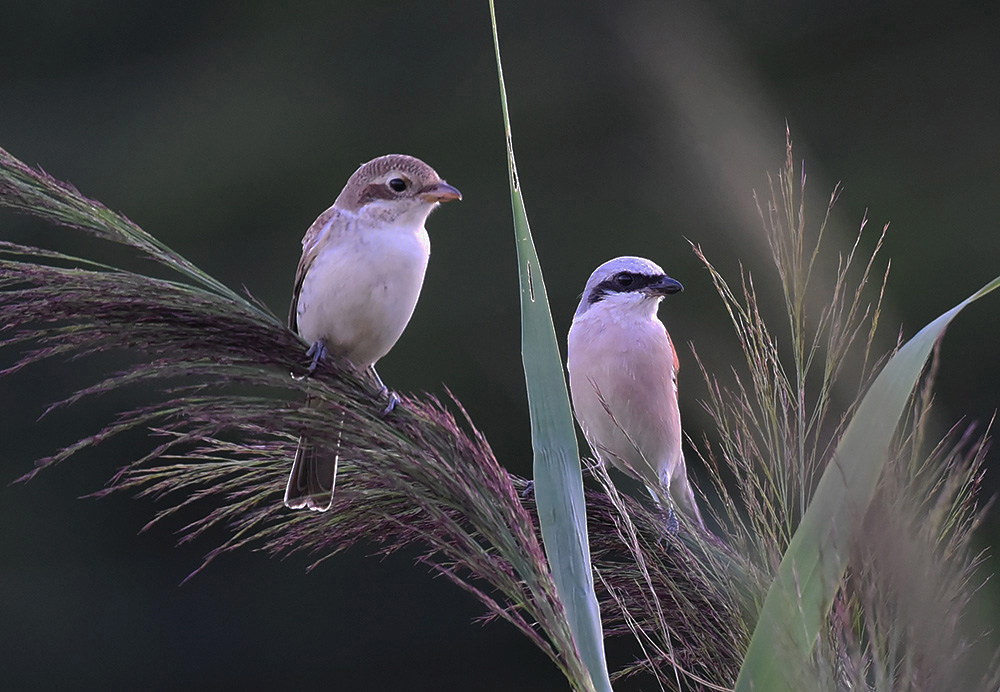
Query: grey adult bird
623, 379
357, 284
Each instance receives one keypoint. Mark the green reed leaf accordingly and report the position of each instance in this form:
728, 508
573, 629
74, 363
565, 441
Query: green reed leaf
813, 566
558, 478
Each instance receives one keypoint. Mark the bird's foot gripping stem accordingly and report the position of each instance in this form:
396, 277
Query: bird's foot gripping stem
386, 392
318, 352
393, 400
673, 524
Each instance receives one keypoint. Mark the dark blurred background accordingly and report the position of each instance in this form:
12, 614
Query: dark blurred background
225, 128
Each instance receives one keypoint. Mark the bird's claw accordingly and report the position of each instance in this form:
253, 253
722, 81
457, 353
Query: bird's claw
318, 353
385, 391
673, 524
393, 401
528, 490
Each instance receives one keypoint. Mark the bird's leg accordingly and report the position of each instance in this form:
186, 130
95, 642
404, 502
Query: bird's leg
385, 391
673, 524
318, 353
666, 505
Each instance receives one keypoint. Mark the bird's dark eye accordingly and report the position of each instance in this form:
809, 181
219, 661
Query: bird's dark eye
624, 279
397, 184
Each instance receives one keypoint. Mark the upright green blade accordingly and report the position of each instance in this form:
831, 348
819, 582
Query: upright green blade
558, 480
814, 564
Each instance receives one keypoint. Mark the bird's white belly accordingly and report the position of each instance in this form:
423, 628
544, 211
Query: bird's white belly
359, 298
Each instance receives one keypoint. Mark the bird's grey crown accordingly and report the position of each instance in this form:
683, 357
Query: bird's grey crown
602, 281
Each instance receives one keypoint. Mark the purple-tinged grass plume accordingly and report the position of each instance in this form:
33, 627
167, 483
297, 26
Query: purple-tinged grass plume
225, 416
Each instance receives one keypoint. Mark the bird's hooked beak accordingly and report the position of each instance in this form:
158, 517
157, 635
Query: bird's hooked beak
664, 286
440, 192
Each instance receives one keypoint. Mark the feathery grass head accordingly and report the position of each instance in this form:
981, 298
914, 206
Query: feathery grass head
778, 429
226, 414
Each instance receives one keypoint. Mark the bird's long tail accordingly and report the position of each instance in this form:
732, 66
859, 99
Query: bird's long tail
682, 495
314, 476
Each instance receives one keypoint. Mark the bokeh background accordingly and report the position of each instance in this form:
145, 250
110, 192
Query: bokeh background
225, 128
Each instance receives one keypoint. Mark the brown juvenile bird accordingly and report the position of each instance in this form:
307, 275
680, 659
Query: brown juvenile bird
363, 263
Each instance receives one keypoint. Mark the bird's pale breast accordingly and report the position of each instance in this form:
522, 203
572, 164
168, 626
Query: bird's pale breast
360, 293
630, 362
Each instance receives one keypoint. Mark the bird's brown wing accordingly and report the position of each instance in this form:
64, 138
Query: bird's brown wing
310, 248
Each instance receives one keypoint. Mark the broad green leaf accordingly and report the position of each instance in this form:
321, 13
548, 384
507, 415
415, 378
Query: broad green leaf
558, 479
814, 564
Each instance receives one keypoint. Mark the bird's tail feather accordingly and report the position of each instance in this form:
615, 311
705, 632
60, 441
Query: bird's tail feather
313, 477
674, 489
682, 495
